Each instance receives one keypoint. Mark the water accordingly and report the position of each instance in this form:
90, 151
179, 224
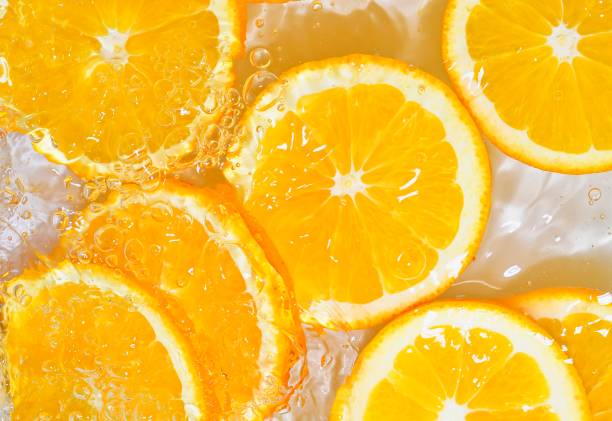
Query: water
545, 229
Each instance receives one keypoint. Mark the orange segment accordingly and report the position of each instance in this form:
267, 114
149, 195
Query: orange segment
461, 361
193, 249
97, 81
536, 77
371, 181
581, 321
84, 342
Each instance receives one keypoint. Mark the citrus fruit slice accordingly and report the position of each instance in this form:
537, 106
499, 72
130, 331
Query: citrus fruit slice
83, 342
192, 247
99, 81
537, 77
462, 361
371, 181
581, 321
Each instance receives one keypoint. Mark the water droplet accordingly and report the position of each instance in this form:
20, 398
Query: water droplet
260, 58
259, 23
512, 271
156, 249
26, 214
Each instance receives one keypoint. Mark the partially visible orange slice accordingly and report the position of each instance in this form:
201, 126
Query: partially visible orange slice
581, 321
83, 342
372, 182
462, 361
537, 76
100, 81
194, 250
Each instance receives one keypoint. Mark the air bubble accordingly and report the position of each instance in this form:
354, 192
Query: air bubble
260, 58
161, 212
317, 5
112, 260
107, 238
594, 195
84, 256
211, 103
255, 84
131, 147
134, 250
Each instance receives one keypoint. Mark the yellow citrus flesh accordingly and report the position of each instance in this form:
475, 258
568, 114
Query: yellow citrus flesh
461, 361
537, 77
195, 251
85, 343
370, 179
581, 321
98, 80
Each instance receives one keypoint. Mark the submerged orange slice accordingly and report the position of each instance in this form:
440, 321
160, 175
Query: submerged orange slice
581, 321
98, 81
86, 343
371, 181
194, 250
462, 361
537, 77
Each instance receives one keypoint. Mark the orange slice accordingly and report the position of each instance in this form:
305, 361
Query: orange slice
371, 181
537, 77
101, 81
195, 251
581, 321
86, 343
462, 361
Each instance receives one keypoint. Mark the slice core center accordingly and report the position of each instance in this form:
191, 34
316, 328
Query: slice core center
564, 42
453, 411
113, 47
348, 184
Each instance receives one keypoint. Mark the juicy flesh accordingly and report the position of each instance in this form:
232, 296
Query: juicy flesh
80, 353
547, 68
357, 191
108, 77
165, 248
452, 374
587, 339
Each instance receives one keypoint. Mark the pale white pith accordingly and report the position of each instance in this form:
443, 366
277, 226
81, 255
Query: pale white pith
560, 304
462, 67
107, 280
472, 173
377, 360
261, 280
